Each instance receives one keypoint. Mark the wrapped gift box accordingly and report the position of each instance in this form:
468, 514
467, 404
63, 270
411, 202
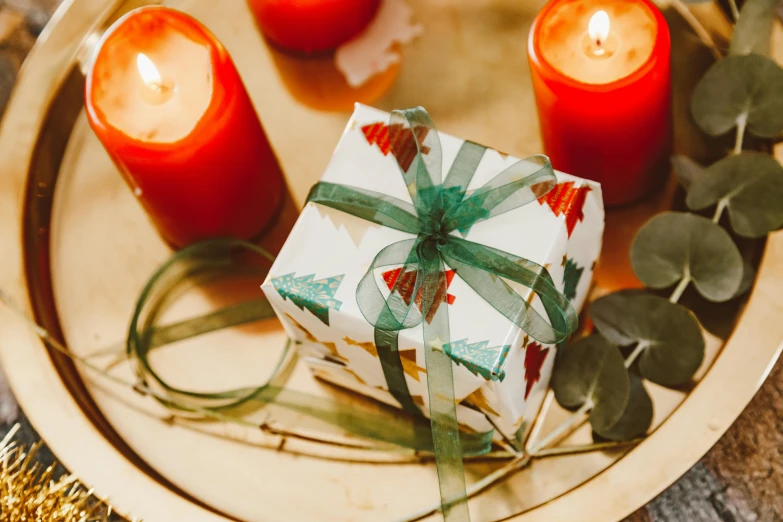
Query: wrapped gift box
312, 284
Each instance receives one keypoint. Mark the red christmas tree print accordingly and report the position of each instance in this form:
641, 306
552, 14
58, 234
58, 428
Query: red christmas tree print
379, 134
567, 200
406, 285
534, 360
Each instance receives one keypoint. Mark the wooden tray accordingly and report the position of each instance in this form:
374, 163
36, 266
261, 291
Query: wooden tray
77, 253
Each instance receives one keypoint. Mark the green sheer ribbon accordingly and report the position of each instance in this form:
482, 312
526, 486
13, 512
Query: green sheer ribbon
440, 209
227, 259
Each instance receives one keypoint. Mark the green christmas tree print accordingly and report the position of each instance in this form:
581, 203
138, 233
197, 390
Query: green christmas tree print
571, 277
478, 358
316, 296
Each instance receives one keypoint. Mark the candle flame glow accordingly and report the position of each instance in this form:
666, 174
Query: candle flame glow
149, 73
598, 28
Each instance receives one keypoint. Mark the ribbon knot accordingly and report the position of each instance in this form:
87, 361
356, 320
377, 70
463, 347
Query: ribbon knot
441, 209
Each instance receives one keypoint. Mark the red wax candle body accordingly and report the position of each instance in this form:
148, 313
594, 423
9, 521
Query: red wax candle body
309, 26
603, 93
166, 101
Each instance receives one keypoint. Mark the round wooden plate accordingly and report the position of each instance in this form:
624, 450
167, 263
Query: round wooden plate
77, 249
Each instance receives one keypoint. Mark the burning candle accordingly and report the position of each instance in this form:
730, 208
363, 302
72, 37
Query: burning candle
601, 77
312, 25
166, 101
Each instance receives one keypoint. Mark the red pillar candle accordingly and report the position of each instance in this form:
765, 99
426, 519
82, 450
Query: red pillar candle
309, 26
601, 77
166, 101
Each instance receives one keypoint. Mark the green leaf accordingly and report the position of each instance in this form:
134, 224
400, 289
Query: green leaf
592, 371
687, 170
751, 187
738, 89
754, 27
671, 335
673, 245
637, 417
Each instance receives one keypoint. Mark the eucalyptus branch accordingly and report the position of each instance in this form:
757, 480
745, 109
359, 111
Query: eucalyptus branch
265, 427
474, 489
575, 420
719, 211
585, 448
640, 347
680, 289
505, 443
734, 11
697, 27
742, 123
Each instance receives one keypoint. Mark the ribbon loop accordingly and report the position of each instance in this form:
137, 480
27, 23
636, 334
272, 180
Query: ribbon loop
391, 313
375, 207
416, 145
521, 183
464, 167
484, 269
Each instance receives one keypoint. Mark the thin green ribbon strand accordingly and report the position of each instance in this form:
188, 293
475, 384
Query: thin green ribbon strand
230, 258
440, 208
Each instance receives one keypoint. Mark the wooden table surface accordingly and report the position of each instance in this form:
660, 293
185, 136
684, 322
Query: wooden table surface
739, 480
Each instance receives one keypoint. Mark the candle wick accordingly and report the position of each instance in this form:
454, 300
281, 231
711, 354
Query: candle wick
160, 87
158, 91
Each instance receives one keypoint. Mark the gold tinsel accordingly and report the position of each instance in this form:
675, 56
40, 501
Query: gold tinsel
30, 493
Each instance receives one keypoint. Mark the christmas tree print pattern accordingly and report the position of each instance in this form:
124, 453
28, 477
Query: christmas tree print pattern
404, 147
407, 357
535, 355
315, 296
478, 358
571, 276
568, 200
405, 286
333, 356
480, 401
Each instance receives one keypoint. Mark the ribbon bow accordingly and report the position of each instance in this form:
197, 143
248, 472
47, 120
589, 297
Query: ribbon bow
441, 208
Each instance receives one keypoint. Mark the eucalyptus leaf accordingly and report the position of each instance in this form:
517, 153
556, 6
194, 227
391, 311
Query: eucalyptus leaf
673, 245
637, 417
746, 89
591, 371
750, 185
687, 170
754, 27
673, 345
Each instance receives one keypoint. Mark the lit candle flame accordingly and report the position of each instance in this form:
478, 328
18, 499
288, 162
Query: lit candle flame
598, 28
149, 73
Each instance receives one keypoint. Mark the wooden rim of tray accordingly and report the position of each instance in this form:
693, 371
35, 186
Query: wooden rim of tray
85, 445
